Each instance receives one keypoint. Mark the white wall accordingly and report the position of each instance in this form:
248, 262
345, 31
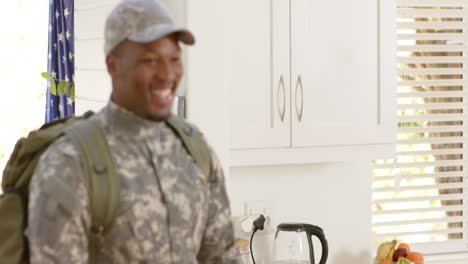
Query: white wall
92, 82
336, 197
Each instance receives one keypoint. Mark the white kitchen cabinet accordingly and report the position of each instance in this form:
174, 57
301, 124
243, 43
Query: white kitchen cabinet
258, 77
336, 60
335, 64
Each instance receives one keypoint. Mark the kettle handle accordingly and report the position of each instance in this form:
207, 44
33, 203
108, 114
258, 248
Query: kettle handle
316, 231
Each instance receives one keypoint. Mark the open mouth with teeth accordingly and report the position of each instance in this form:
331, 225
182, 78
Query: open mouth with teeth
162, 96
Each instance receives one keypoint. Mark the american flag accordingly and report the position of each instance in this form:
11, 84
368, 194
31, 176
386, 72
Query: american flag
61, 61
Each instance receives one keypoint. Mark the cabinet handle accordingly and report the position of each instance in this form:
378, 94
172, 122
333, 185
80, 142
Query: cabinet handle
299, 111
281, 85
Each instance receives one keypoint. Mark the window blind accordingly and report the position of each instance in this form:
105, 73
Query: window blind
420, 196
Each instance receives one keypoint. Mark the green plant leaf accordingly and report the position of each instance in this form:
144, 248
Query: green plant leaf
53, 87
72, 92
61, 87
45, 75
67, 87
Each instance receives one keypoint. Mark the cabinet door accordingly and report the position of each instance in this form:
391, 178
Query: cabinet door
257, 73
336, 87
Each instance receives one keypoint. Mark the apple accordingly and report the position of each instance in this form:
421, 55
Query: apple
399, 252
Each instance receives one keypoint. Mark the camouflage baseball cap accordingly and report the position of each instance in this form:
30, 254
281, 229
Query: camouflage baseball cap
141, 21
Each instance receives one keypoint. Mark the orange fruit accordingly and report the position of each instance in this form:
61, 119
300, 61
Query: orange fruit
415, 257
386, 261
404, 245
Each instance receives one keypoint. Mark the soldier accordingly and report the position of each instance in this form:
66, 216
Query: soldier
167, 211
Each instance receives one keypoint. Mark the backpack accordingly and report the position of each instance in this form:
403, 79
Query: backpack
93, 146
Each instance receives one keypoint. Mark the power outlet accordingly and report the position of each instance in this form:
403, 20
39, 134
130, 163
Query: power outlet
254, 208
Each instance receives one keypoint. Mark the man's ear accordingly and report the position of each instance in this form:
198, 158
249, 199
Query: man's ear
112, 65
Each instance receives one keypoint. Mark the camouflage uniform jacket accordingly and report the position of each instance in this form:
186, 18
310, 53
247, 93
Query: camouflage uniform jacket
167, 213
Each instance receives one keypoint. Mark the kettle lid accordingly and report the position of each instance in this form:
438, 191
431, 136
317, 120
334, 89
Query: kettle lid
298, 227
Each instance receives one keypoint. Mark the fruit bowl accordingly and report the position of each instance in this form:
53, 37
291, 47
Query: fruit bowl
389, 250
417, 262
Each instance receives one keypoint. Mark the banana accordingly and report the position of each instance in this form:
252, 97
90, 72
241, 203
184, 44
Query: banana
392, 249
386, 250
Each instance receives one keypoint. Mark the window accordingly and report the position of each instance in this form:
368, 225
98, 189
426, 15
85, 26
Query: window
23, 39
419, 197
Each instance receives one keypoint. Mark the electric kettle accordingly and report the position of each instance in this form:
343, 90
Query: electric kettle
293, 244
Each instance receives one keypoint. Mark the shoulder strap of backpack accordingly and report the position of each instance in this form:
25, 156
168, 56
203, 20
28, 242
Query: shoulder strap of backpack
194, 143
103, 186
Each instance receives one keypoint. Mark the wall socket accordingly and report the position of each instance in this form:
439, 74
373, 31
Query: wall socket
243, 224
254, 208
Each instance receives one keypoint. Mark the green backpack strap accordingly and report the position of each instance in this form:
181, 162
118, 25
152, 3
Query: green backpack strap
103, 185
194, 143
